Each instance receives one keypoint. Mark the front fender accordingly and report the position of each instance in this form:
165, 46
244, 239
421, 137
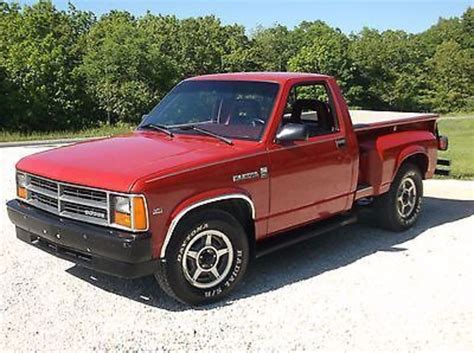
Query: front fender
201, 199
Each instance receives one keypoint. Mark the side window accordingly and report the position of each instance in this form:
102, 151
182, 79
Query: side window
311, 105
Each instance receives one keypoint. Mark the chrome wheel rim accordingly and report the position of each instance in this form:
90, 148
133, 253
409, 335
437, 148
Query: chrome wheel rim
207, 259
406, 197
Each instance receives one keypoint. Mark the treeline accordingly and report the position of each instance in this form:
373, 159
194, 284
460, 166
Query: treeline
69, 69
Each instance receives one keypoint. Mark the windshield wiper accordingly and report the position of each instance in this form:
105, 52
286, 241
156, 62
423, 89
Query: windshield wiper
158, 127
206, 132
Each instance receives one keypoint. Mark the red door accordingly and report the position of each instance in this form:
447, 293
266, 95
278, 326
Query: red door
312, 179
309, 180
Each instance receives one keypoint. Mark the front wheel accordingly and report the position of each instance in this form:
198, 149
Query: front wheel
207, 256
400, 208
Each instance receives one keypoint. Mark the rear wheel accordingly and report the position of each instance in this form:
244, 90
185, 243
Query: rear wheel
205, 259
400, 208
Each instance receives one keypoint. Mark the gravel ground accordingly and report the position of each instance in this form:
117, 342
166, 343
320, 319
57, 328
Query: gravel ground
359, 288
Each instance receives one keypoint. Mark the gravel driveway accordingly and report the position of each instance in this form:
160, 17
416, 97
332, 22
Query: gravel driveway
359, 288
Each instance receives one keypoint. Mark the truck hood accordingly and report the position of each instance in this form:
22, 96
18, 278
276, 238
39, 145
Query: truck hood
116, 163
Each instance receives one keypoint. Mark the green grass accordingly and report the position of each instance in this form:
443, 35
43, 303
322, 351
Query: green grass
6, 136
460, 131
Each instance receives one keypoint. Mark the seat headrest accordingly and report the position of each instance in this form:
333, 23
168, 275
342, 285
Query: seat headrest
309, 104
247, 105
243, 110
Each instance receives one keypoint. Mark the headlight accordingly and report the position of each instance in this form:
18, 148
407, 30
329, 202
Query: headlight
129, 212
21, 185
122, 204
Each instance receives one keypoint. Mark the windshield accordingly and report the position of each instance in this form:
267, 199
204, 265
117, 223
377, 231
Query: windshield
234, 109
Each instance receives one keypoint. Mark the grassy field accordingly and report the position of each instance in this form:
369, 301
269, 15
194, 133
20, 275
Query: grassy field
458, 127
6, 136
460, 130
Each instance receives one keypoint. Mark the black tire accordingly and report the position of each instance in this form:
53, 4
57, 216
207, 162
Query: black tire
175, 273
396, 214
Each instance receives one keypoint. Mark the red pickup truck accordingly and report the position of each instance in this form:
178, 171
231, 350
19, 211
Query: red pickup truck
226, 168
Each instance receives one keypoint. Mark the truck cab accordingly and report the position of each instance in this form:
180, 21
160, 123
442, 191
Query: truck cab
226, 168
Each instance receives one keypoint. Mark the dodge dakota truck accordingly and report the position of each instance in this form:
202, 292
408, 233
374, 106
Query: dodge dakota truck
226, 168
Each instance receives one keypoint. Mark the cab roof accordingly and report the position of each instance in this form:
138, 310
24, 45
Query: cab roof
280, 77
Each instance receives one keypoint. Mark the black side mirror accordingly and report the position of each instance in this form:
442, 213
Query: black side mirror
292, 132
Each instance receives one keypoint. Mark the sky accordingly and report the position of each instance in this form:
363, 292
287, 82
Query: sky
348, 15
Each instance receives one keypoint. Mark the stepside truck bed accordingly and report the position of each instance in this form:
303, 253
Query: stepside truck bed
386, 138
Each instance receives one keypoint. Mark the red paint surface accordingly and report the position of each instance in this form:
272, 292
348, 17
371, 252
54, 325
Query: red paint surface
308, 180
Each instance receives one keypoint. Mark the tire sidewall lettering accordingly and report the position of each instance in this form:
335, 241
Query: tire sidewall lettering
231, 277
188, 238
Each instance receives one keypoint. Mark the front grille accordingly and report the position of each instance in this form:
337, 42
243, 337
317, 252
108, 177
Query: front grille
44, 200
76, 202
44, 184
82, 210
84, 204
92, 195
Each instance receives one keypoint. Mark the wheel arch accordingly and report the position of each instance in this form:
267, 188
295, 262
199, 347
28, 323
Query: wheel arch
416, 155
239, 205
421, 160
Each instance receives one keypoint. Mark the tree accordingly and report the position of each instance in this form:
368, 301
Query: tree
324, 50
236, 55
389, 68
467, 26
68, 70
271, 48
199, 46
39, 54
452, 85
124, 71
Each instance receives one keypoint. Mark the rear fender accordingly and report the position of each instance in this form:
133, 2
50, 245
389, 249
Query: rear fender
408, 152
394, 149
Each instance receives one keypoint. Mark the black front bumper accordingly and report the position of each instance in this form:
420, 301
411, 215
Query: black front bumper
107, 250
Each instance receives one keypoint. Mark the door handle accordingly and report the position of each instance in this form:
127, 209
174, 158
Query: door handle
341, 143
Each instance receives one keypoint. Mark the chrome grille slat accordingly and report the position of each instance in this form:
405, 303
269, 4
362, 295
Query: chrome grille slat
46, 192
41, 199
41, 183
81, 203
43, 206
81, 209
102, 205
85, 194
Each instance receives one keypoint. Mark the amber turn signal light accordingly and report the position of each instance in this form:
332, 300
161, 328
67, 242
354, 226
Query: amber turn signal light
122, 219
139, 213
21, 192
